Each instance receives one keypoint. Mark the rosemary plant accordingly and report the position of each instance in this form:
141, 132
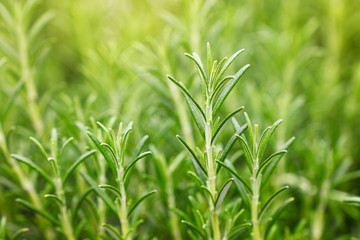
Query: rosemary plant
215, 91
260, 171
114, 153
57, 180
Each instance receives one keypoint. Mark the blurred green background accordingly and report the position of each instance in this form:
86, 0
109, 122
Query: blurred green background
68, 62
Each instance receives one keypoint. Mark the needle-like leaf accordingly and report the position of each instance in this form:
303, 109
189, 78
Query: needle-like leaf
139, 201
38, 211
222, 193
34, 166
193, 157
227, 89
77, 163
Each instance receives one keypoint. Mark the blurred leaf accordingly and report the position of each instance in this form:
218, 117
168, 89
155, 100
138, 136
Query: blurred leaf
139, 201
38, 211
268, 160
99, 192
197, 229
111, 162
277, 214
195, 108
265, 138
112, 231
132, 164
34, 166
231, 142
55, 198
271, 199
77, 163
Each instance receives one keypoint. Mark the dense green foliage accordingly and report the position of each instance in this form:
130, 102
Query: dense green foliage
77, 76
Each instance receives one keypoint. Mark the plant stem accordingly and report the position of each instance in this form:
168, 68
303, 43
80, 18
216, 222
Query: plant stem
26, 184
255, 185
65, 217
123, 214
211, 170
26, 71
319, 215
174, 220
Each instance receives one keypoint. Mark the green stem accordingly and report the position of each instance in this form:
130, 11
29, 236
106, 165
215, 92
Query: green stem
123, 213
318, 221
174, 220
26, 72
26, 184
65, 217
255, 185
211, 171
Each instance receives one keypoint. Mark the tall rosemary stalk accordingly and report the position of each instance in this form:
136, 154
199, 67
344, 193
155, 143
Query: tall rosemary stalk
215, 91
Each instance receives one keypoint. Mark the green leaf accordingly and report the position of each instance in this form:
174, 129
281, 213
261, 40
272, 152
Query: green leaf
40, 146
238, 229
223, 122
193, 157
231, 142
19, 232
38, 211
13, 95
227, 89
177, 162
111, 150
195, 177
139, 147
104, 129
346, 177
247, 151
194, 107
3, 228
235, 174
55, 198
222, 194
344, 197
108, 158
124, 141
6, 15
242, 186
65, 144
219, 87
227, 64
270, 169
139, 201
251, 136
200, 67
99, 192
40, 24
115, 234
197, 229
207, 191
111, 188
77, 163
271, 199
34, 166
277, 214
265, 139
268, 160
181, 214
132, 164
80, 201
